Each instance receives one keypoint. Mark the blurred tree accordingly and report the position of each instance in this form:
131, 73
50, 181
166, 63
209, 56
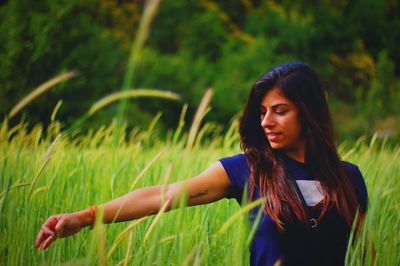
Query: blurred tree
120, 18
194, 45
38, 40
381, 99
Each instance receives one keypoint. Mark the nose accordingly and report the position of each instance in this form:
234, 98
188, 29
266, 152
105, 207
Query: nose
267, 121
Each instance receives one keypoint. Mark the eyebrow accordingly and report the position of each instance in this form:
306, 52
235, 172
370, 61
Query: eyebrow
275, 105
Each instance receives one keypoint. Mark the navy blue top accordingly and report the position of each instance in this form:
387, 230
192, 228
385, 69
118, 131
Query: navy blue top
297, 245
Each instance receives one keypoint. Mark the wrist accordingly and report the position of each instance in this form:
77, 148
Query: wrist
89, 216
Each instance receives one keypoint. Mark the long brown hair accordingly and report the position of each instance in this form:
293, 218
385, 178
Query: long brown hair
300, 84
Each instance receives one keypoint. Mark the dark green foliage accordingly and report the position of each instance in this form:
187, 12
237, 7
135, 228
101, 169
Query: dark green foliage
194, 45
383, 96
39, 40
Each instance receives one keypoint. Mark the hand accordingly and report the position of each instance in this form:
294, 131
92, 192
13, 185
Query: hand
59, 226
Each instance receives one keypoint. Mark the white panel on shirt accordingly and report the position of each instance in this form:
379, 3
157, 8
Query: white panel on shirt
312, 191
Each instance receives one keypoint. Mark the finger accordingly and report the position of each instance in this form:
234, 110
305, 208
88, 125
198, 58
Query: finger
49, 241
51, 222
39, 239
60, 225
47, 230
43, 235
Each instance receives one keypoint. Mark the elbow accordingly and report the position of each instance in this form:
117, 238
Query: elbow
161, 200
172, 196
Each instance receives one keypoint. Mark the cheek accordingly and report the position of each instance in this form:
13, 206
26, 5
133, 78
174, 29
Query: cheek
296, 130
293, 128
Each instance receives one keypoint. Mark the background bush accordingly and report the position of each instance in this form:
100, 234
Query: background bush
194, 45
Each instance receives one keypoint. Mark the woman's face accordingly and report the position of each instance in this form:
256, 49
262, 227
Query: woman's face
280, 121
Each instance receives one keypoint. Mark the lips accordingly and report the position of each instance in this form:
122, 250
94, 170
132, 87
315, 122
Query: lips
273, 136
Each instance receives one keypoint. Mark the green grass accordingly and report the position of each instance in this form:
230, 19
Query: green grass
43, 175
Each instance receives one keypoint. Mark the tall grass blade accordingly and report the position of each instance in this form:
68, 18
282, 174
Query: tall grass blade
231, 135
373, 140
24, 184
155, 221
181, 123
165, 182
98, 245
193, 253
40, 90
149, 13
107, 100
141, 174
128, 249
239, 213
47, 158
148, 165
153, 124
201, 111
123, 235
133, 93
53, 114
254, 226
167, 239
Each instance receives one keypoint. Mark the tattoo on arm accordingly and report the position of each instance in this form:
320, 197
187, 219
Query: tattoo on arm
200, 194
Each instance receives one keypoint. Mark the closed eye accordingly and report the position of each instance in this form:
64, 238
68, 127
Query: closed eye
281, 112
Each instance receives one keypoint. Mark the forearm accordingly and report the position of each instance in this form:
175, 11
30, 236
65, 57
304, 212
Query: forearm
133, 205
211, 185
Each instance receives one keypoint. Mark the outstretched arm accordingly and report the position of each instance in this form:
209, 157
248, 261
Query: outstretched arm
211, 185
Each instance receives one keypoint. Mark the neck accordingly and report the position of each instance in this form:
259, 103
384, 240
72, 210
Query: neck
297, 155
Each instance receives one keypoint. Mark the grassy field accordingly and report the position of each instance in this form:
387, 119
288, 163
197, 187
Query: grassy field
44, 173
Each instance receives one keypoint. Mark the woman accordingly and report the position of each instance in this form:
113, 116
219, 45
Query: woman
290, 158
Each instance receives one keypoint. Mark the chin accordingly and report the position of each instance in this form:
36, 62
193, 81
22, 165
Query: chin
276, 146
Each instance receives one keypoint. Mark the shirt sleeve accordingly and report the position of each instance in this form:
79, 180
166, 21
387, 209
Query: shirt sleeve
238, 171
358, 182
